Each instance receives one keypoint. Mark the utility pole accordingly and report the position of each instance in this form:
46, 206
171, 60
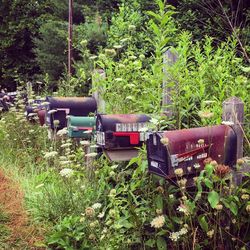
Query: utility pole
70, 31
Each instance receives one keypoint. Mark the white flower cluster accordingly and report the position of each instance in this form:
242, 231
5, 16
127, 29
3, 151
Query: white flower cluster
184, 209
62, 132
66, 172
97, 205
158, 221
176, 235
51, 154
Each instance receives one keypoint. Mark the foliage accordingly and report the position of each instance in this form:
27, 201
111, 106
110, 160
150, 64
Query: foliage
51, 48
127, 73
17, 28
205, 77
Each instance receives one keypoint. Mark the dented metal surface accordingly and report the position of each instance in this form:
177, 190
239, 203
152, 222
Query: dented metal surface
81, 126
121, 131
188, 148
64, 106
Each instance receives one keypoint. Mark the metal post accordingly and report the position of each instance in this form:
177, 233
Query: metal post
70, 31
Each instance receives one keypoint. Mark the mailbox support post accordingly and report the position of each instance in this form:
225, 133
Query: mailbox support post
169, 59
233, 111
98, 75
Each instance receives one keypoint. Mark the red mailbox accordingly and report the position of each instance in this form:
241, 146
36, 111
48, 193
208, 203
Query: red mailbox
188, 148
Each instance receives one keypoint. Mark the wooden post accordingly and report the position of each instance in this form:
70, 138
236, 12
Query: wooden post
169, 59
233, 112
97, 76
70, 32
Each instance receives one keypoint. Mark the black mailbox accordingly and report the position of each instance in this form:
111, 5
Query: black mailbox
188, 148
60, 107
121, 135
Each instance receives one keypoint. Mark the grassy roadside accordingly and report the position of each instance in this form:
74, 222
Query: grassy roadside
18, 229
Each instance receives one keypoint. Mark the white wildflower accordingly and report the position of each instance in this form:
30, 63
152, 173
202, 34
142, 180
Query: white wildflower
174, 236
182, 208
183, 231
65, 145
62, 132
101, 215
158, 221
94, 146
210, 233
63, 158
97, 205
63, 163
51, 154
66, 172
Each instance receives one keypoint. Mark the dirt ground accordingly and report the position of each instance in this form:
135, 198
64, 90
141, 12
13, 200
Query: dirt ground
22, 234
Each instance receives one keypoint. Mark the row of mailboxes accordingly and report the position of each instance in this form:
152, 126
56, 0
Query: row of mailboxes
59, 108
188, 148
120, 137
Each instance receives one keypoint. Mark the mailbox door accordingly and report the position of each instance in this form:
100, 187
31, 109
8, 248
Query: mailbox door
183, 149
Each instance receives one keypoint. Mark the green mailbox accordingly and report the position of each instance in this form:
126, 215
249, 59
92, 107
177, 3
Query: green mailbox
81, 126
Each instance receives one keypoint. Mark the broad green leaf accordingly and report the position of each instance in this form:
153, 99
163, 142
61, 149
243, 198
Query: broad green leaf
155, 15
161, 243
213, 198
233, 208
208, 183
209, 169
150, 243
203, 223
159, 202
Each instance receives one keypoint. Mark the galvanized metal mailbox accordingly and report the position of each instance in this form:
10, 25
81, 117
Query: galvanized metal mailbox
120, 135
81, 126
188, 148
60, 107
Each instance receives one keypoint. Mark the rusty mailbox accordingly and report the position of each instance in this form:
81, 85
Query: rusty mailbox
188, 148
121, 135
60, 107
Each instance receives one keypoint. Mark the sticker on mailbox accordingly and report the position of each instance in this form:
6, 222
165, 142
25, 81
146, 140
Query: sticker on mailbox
100, 138
130, 127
